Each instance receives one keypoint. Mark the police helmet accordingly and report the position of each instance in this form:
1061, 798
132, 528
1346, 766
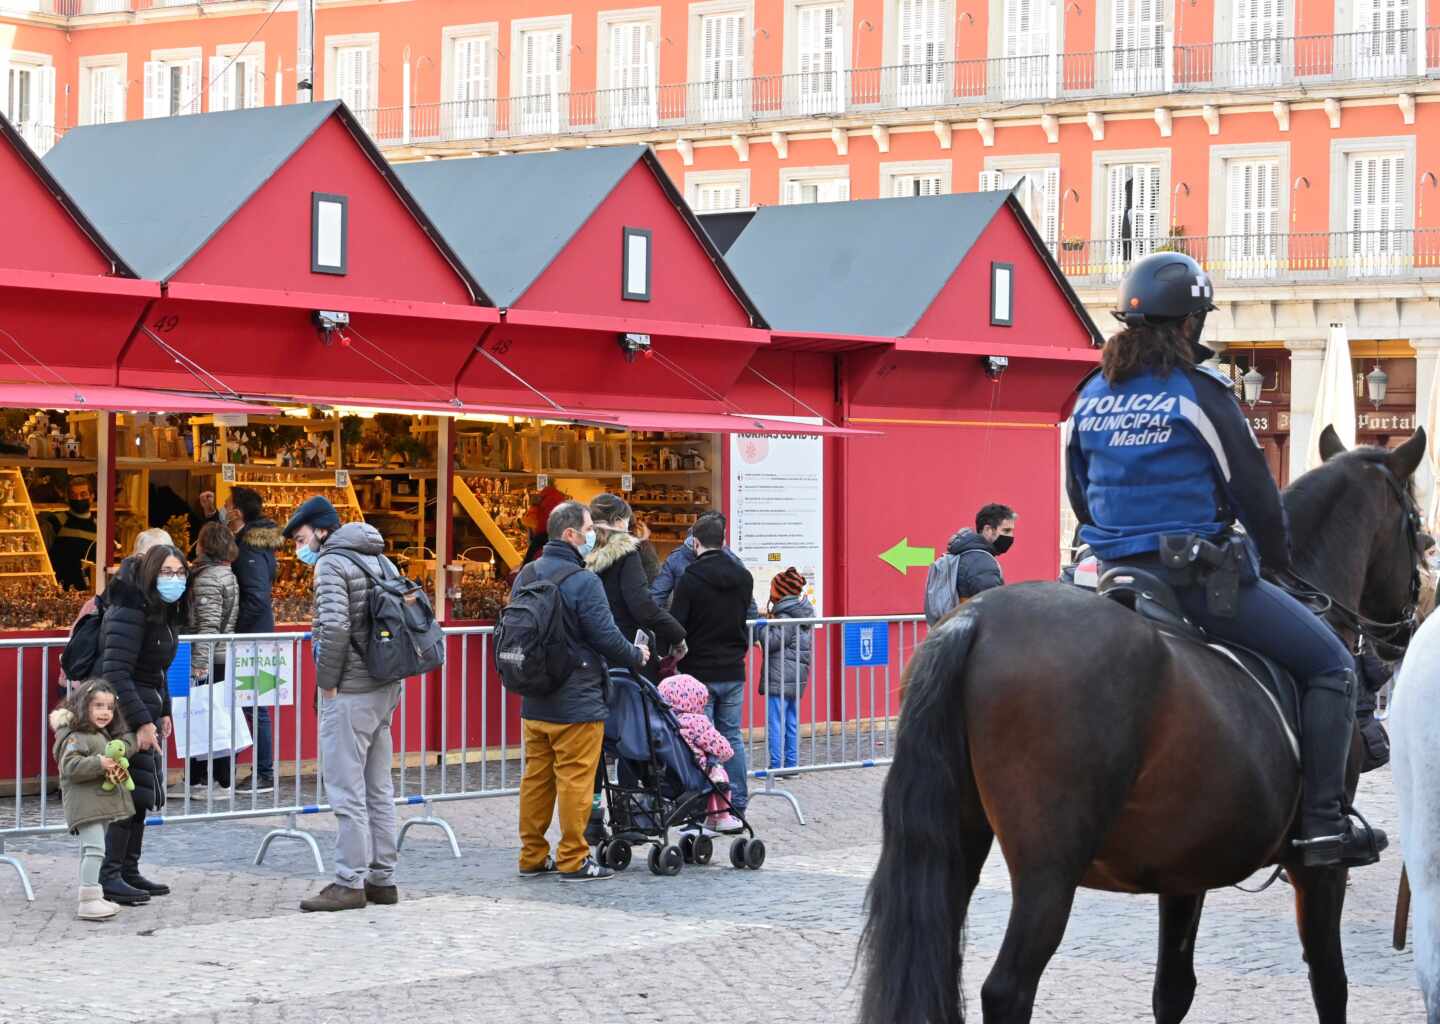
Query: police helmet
1164, 287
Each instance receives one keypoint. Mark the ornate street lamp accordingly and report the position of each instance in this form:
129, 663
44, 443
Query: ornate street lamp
1253, 383
1377, 381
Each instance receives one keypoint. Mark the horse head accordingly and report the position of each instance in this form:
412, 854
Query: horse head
1355, 526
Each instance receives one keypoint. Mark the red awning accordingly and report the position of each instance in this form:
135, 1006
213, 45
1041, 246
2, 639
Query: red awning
711, 423
113, 399
704, 423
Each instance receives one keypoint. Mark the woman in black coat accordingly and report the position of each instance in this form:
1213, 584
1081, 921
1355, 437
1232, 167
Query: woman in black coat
617, 560
144, 612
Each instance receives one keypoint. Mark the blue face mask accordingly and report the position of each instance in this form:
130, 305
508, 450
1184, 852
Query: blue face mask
589, 544
170, 590
308, 555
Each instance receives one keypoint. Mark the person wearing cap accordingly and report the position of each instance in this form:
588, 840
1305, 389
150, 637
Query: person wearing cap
789, 650
1160, 450
355, 708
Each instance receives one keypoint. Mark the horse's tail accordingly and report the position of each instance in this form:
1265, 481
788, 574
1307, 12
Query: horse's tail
913, 941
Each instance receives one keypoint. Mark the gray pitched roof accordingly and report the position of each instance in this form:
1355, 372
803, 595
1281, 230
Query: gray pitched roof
160, 188
28, 157
507, 218
868, 267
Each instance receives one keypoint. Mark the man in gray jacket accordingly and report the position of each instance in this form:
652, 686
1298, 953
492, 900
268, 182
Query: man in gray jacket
563, 731
355, 708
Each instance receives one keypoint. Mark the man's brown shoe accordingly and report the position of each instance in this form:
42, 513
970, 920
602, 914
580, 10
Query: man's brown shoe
335, 897
384, 895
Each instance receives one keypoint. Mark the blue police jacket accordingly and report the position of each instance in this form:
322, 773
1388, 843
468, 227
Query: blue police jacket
1154, 455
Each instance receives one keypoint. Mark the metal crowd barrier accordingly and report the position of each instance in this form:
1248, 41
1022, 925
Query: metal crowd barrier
456, 731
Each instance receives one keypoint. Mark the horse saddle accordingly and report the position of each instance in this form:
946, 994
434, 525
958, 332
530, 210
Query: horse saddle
1154, 600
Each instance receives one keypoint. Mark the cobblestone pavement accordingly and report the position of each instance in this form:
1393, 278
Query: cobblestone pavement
472, 942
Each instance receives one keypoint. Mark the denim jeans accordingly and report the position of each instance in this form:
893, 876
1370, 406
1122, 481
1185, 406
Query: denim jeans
264, 741
783, 724
726, 700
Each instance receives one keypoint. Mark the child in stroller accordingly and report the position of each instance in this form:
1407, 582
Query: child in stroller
657, 785
687, 697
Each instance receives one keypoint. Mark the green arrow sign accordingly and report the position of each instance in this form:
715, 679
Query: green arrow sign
902, 557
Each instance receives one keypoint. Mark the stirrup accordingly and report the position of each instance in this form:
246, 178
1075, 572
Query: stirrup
1330, 851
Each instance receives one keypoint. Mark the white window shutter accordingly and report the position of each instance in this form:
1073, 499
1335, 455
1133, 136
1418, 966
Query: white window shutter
842, 190
254, 84
902, 186
372, 76
157, 89
45, 112
1118, 176
220, 91
793, 193
1050, 205
991, 181
190, 86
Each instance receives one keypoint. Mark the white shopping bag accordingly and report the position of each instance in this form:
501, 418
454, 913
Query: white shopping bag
207, 725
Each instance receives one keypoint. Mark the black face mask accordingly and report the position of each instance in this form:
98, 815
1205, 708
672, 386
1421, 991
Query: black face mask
1001, 543
80, 508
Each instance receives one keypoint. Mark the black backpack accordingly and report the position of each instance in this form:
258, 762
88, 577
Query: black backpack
532, 642
403, 639
80, 659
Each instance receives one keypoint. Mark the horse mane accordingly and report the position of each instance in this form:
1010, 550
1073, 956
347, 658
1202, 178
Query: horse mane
1323, 523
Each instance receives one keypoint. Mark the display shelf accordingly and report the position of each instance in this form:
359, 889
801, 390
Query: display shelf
503, 547
649, 473
20, 519
24, 462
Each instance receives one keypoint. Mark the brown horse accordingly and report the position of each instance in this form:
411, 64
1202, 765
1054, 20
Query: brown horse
1103, 753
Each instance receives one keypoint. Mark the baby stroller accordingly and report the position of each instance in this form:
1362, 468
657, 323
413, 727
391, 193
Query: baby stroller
659, 787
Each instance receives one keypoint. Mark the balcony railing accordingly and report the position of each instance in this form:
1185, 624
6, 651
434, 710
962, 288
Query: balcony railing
1268, 259
1261, 64
40, 137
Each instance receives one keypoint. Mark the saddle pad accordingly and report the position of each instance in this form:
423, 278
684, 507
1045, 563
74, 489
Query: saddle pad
1275, 681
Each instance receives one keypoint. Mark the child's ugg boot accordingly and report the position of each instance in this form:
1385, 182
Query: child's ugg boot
93, 905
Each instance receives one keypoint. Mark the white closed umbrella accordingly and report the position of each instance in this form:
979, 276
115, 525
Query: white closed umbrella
1432, 451
1335, 404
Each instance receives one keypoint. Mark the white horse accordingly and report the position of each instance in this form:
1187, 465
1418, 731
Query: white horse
1415, 763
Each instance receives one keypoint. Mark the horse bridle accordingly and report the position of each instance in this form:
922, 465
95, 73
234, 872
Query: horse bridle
1380, 636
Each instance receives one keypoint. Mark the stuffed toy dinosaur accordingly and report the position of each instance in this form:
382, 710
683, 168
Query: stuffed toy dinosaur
115, 751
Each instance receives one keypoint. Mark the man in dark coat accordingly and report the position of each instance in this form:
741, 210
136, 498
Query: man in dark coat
711, 602
563, 730
258, 538
73, 541
662, 587
979, 550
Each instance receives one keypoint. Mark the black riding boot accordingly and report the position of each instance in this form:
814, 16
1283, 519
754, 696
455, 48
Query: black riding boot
1328, 836
130, 870
117, 848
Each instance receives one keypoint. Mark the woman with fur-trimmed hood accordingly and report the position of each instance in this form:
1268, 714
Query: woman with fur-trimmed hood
616, 559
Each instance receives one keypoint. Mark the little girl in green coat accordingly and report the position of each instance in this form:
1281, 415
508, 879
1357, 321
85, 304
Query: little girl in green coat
84, 726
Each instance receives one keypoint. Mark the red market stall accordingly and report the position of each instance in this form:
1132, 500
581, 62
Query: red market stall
583, 250
946, 324
291, 259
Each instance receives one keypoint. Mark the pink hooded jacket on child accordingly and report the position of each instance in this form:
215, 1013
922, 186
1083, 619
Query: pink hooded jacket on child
687, 696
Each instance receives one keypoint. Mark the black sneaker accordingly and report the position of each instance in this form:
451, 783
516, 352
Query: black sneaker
262, 784
547, 868
587, 872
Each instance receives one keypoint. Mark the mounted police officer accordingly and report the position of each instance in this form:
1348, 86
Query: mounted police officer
1159, 449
